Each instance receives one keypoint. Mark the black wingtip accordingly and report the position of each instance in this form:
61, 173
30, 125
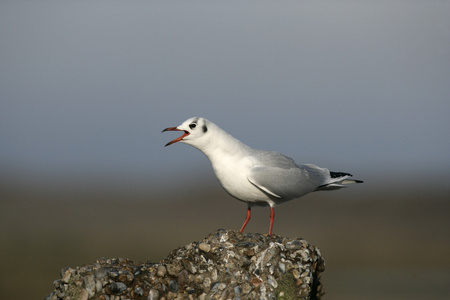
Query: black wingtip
339, 174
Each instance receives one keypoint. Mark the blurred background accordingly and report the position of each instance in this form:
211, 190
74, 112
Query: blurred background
362, 87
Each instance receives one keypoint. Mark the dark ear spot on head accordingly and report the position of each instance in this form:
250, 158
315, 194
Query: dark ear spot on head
205, 129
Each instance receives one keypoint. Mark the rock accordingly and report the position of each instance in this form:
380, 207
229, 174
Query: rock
153, 294
161, 271
204, 247
117, 287
225, 265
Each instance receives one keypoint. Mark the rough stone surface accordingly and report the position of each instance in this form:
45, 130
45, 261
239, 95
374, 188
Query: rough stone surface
225, 265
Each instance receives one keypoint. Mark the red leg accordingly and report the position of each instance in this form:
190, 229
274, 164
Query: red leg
249, 215
272, 218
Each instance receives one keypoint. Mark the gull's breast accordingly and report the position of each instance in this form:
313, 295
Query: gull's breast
232, 175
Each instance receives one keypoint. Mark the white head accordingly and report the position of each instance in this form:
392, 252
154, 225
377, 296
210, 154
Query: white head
196, 132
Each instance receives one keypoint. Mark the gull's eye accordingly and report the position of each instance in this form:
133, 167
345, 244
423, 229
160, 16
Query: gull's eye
192, 125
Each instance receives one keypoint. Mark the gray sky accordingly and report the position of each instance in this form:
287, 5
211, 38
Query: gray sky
357, 86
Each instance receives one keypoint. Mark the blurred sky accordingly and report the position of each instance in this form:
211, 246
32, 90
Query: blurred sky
87, 86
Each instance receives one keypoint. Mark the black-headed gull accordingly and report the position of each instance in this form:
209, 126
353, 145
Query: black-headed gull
257, 177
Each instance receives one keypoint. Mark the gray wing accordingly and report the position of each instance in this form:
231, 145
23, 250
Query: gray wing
279, 176
273, 159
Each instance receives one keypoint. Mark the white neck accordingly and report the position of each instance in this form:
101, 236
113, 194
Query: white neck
222, 145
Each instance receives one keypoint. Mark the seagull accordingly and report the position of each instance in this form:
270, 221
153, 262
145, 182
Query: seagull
257, 177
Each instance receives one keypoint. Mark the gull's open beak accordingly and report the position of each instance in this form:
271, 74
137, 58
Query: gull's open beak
186, 133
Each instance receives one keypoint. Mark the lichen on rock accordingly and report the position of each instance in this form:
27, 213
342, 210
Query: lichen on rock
224, 265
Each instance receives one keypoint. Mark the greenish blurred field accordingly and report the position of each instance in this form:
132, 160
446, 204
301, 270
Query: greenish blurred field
378, 243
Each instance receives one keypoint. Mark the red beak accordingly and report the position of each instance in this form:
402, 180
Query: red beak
186, 133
